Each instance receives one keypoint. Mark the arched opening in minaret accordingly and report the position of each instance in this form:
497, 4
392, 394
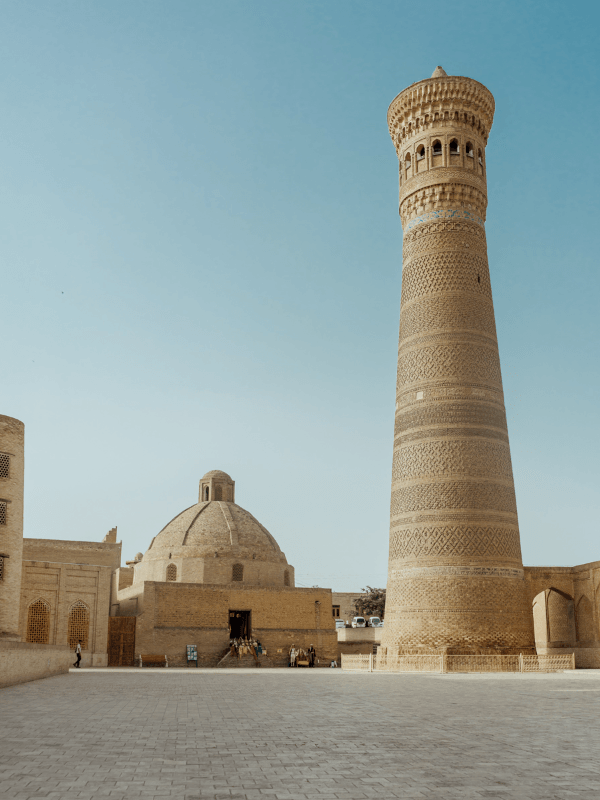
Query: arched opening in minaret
454, 151
469, 150
420, 152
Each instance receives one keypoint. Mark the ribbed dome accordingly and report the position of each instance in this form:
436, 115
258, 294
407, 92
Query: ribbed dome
217, 526
215, 541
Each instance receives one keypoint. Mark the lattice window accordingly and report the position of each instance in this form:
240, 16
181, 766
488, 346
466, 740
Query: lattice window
1, 568
237, 573
79, 625
4, 465
171, 572
38, 622
3, 512
286, 578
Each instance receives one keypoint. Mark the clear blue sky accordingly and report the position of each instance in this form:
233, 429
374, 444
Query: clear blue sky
201, 261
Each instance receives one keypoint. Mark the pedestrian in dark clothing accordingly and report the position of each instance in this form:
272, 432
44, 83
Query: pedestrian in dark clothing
312, 653
78, 654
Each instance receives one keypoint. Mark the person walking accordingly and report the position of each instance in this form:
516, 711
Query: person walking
78, 654
312, 653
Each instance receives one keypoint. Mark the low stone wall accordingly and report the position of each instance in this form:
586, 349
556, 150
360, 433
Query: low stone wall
22, 661
585, 657
357, 641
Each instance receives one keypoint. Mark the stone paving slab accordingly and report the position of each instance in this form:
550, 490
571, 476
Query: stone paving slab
300, 734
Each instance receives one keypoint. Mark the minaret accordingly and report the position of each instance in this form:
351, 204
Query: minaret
455, 581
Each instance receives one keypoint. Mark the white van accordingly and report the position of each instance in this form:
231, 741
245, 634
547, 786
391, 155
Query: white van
359, 622
375, 622
340, 623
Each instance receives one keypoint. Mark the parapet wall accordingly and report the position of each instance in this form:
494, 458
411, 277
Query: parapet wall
105, 554
21, 662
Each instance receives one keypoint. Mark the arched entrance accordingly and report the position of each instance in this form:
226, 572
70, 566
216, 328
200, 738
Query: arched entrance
554, 619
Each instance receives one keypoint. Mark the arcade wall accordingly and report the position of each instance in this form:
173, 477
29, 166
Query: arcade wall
566, 611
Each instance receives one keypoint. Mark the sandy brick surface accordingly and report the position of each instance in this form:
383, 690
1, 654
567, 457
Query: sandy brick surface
295, 734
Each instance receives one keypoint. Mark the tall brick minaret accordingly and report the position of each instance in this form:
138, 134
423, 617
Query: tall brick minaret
455, 581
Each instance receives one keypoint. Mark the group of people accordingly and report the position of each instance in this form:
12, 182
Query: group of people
240, 647
298, 654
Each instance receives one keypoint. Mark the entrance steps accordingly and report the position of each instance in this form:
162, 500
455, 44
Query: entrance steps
246, 661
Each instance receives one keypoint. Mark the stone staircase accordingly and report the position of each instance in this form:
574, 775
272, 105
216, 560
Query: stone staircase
247, 661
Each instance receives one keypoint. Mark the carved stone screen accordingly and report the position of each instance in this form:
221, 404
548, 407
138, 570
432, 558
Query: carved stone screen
38, 622
79, 625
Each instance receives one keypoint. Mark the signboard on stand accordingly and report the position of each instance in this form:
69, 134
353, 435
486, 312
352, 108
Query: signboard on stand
192, 654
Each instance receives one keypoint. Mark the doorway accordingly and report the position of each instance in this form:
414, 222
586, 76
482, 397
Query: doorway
121, 641
239, 625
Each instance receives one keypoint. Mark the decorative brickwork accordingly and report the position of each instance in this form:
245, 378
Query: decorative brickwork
466, 312
440, 236
445, 272
79, 625
469, 593
455, 540
439, 414
38, 622
462, 361
454, 457
436, 433
453, 495
456, 577
442, 201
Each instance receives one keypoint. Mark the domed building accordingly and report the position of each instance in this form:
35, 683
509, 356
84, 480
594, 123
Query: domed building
214, 574
214, 541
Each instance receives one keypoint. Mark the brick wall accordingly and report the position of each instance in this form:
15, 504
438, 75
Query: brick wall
177, 614
59, 586
106, 554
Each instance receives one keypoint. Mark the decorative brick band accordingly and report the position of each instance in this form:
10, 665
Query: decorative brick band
445, 213
437, 572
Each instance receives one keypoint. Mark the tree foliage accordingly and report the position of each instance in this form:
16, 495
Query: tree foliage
370, 604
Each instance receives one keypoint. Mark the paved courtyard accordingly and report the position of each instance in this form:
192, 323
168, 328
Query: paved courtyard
300, 734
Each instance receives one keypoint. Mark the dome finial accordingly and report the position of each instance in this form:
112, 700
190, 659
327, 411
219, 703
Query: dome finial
439, 72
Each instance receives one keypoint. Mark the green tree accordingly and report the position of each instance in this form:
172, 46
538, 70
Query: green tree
370, 604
